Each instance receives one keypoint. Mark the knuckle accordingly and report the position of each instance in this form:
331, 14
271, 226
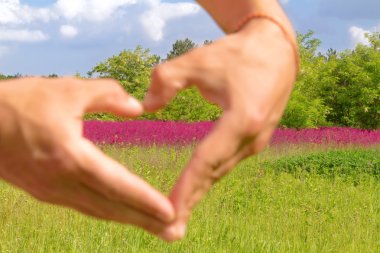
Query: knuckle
160, 73
114, 85
209, 171
164, 76
253, 122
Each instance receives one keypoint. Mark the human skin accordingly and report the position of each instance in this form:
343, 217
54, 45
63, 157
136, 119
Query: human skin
249, 74
42, 151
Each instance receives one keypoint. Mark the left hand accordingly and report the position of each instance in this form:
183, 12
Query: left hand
43, 152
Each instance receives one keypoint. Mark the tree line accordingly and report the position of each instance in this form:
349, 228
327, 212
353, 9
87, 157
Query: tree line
333, 88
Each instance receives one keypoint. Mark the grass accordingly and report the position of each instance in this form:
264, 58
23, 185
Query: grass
262, 206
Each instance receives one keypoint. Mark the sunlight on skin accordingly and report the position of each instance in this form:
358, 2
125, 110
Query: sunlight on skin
54, 163
249, 74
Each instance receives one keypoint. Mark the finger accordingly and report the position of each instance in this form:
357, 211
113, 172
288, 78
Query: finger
169, 78
106, 95
112, 180
89, 202
166, 83
258, 144
211, 160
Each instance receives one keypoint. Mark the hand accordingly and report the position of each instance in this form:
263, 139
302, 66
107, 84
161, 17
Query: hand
249, 74
43, 152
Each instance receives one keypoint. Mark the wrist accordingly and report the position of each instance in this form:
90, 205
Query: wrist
229, 13
272, 35
274, 27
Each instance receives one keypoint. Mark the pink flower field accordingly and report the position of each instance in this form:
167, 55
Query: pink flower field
181, 133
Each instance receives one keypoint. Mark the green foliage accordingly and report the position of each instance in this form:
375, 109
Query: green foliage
5, 77
131, 67
207, 42
251, 210
189, 105
306, 108
343, 163
350, 86
303, 112
181, 47
333, 88
336, 88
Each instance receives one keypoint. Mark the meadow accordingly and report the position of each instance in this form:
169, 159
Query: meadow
315, 190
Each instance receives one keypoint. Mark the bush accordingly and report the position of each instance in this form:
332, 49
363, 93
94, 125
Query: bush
334, 163
304, 113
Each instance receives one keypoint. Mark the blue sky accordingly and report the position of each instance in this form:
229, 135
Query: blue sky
39, 37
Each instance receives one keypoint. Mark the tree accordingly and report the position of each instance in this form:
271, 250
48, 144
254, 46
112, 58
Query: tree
374, 40
207, 42
189, 106
344, 87
353, 89
306, 108
180, 47
131, 67
4, 77
303, 112
331, 53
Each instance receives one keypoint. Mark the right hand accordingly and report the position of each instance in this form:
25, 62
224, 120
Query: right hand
250, 75
43, 152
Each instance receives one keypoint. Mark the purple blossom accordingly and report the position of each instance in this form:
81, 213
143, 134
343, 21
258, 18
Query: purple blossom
160, 133
146, 132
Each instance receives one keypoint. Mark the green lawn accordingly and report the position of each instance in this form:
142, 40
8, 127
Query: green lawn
263, 206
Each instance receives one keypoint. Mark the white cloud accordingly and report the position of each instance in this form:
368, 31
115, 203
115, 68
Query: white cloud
155, 19
153, 15
13, 12
68, 31
22, 35
91, 10
358, 34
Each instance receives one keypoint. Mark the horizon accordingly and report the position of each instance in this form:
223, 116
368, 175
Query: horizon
41, 37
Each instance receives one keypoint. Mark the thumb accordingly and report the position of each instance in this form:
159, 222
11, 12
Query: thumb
167, 80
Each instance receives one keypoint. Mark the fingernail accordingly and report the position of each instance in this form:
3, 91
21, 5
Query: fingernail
170, 234
134, 104
182, 230
174, 233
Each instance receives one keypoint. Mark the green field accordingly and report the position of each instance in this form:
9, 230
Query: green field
290, 199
